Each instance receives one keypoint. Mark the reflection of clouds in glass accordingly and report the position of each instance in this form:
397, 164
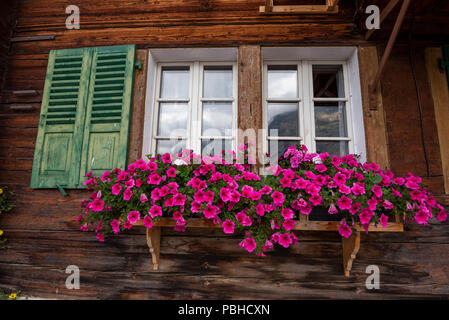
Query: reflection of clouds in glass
172, 119
175, 84
282, 83
217, 83
170, 146
217, 115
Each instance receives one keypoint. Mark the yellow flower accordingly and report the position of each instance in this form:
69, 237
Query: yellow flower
1, 232
1, 190
12, 295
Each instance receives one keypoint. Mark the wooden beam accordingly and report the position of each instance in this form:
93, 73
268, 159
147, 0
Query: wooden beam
440, 95
386, 55
138, 108
385, 12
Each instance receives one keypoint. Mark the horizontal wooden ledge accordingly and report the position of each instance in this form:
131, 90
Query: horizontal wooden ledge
299, 225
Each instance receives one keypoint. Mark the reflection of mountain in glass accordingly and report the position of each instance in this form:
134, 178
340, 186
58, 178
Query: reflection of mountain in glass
286, 123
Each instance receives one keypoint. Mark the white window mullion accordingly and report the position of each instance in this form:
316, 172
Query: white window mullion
308, 120
195, 118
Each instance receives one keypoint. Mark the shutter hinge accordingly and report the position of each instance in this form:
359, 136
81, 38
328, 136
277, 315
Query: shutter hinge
61, 189
138, 65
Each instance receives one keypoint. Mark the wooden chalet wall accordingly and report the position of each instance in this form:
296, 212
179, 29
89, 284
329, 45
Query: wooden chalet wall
203, 264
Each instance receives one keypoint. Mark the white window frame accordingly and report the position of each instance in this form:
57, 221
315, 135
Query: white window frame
306, 101
195, 103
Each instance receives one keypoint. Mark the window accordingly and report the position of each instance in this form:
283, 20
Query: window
195, 108
307, 102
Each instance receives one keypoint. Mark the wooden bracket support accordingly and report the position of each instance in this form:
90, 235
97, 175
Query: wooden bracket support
154, 245
350, 247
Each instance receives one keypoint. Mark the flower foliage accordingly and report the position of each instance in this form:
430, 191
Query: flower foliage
261, 208
5, 206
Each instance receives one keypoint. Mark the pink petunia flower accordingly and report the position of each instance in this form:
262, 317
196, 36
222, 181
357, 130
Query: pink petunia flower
278, 198
115, 224
344, 203
285, 240
143, 198
383, 220
133, 216
155, 211
166, 158
127, 194
116, 188
228, 226
344, 230
248, 244
147, 222
171, 172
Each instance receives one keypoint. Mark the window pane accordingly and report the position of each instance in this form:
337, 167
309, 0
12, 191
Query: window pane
338, 148
328, 81
217, 119
330, 119
284, 117
282, 82
277, 148
172, 119
215, 146
217, 82
175, 83
170, 146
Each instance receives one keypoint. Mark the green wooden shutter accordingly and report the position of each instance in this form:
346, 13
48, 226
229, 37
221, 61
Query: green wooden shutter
57, 155
105, 143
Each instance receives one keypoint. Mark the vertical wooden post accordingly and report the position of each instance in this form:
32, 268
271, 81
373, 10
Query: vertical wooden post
138, 108
350, 247
250, 91
440, 95
154, 245
374, 120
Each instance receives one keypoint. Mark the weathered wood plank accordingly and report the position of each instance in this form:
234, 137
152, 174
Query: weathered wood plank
374, 120
440, 94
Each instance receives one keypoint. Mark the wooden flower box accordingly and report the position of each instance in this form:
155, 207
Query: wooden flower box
350, 246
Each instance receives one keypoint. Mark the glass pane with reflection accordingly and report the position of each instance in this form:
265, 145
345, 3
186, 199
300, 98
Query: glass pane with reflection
277, 148
175, 83
217, 119
170, 146
284, 118
217, 82
214, 147
282, 82
328, 81
172, 119
338, 148
330, 119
